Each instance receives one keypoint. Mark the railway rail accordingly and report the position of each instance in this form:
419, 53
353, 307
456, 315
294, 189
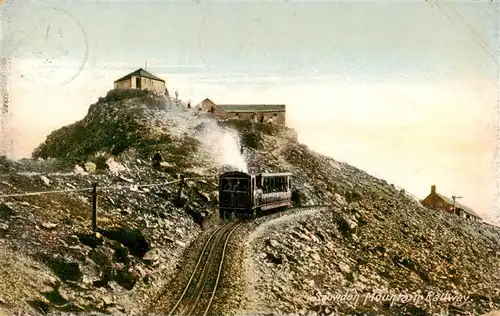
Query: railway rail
201, 288
198, 294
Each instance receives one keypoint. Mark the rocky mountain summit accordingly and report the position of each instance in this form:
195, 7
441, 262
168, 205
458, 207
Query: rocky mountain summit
371, 238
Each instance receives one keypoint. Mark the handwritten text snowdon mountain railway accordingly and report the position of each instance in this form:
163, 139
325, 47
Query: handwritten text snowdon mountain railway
354, 298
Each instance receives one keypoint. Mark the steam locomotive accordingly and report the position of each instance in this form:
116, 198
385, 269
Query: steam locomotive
245, 195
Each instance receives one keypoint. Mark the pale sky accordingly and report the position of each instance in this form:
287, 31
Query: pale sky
403, 90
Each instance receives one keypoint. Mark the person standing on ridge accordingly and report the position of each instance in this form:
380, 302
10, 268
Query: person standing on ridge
157, 159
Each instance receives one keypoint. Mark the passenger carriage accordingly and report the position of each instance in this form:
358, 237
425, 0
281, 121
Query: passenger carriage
245, 195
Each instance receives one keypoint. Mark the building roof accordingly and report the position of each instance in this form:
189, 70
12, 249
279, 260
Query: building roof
458, 205
140, 73
276, 174
252, 107
207, 100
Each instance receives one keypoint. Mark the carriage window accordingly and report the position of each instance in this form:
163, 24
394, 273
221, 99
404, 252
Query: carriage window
241, 185
227, 184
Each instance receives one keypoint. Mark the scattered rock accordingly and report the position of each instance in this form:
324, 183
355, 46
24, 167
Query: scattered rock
48, 225
133, 239
64, 269
45, 180
40, 306
344, 268
6, 212
79, 170
205, 196
115, 167
307, 263
108, 300
180, 243
151, 257
92, 240
126, 279
90, 167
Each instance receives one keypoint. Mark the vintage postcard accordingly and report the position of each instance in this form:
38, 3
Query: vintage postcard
249, 157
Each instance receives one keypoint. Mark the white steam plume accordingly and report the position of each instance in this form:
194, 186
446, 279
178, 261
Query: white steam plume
219, 144
224, 146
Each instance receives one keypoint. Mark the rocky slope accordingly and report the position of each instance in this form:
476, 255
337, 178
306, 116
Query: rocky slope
142, 228
372, 244
373, 237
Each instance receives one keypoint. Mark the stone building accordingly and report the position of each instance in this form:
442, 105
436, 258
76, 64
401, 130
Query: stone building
259, 113
141, 79
438, 202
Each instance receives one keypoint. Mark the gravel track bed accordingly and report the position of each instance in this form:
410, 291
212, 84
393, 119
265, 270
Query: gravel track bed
162, 302
237, 291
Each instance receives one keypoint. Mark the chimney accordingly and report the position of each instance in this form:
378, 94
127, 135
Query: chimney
433, 188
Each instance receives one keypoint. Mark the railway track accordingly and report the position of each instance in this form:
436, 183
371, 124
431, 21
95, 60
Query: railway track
198, 294
200, 289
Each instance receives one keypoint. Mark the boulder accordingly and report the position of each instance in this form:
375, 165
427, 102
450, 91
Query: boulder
45, 180
49, 225
151, 257
90, 167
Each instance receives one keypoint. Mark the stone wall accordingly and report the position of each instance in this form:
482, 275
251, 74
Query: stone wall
146, 84
259, 117
124, 84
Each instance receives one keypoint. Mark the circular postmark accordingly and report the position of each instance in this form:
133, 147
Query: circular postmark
49, 43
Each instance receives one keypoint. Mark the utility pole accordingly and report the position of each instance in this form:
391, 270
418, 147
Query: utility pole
455, 202
94, 207
145, 65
